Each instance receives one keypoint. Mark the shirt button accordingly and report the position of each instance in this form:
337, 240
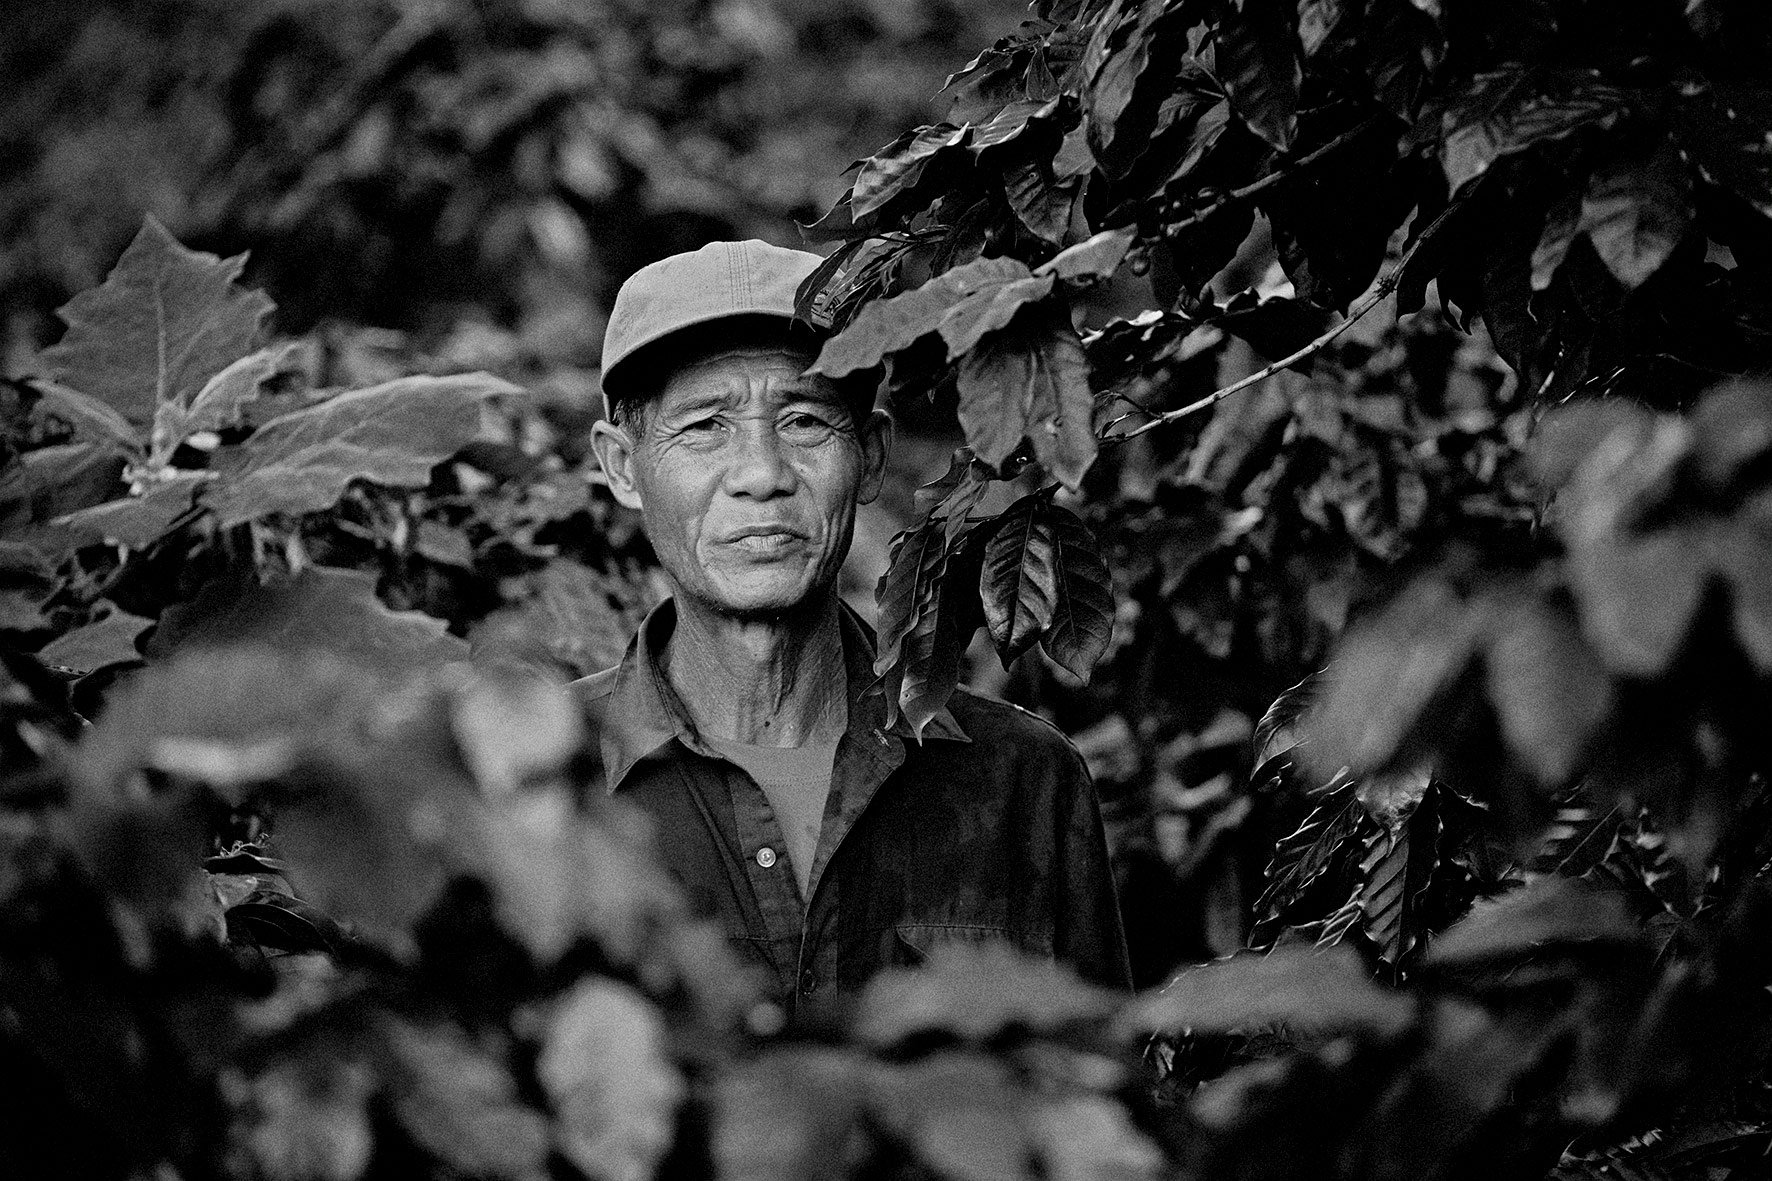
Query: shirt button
766, 857
808, 982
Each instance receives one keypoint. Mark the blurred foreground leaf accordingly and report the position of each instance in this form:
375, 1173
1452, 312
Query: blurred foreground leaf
308, 1120
789, 1115
320, 609
460, 1104
1302, 989
1551, 914
975, 992
613, 1089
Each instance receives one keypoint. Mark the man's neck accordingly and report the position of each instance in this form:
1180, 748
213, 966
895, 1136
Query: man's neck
778, 681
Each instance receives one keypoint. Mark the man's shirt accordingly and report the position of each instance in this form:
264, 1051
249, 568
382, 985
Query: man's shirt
987, 830
796, 780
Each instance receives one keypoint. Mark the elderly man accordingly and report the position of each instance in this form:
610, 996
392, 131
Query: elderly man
745, 718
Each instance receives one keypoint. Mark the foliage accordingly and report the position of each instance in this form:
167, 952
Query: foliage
501, 984
484, 922
417, 166
232, 473
1503, 862
1580, 178
1561, 670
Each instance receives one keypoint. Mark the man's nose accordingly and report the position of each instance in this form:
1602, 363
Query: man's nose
757, 463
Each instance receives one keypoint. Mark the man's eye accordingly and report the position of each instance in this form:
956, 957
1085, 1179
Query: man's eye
807, 422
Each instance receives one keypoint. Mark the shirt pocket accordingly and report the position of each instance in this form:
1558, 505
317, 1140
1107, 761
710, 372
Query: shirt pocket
917, 942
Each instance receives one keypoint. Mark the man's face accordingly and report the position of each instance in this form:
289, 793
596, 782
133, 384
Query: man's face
748, 475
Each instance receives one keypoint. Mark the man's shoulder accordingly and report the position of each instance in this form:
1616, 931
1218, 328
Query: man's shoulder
993, 725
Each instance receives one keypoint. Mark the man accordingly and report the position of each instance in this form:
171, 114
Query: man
745, 718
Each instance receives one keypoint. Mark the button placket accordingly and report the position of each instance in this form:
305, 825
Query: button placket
759, 847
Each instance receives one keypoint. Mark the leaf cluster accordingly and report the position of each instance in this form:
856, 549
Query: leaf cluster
499, 163
169, 462
288, 915
1578, 178
1566, 676
1528, 794
1633, 665
435, 953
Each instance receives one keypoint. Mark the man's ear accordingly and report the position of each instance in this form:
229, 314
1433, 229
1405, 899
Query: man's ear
615, 451
876, 444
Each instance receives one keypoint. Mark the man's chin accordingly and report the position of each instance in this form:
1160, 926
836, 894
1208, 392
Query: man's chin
762, 600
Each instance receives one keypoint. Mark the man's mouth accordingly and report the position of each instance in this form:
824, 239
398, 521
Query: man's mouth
764, 539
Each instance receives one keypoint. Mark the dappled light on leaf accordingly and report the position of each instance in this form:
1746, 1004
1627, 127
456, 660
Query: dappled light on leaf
1636, 215
1509, 111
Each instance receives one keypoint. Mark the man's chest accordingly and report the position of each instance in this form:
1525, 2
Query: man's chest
930, 855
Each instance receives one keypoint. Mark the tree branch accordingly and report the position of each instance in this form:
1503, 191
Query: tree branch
1380, 291
1256, 188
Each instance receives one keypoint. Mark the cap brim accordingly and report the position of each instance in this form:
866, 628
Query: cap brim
640, 370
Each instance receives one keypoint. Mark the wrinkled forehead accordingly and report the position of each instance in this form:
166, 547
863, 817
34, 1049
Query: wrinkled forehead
738, 371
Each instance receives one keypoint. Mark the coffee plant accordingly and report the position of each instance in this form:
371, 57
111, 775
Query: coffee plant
1368, 399
1213, 289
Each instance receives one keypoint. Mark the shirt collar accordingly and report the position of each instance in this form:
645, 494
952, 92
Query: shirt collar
645, 712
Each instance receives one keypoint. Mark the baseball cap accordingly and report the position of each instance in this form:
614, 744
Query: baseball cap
720, 281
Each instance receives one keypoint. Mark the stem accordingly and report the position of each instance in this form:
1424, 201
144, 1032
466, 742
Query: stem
1372, 300
1380, 291
1255, 188
1137, 406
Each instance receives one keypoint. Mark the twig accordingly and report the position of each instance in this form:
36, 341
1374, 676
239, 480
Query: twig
1255, 188
1381, 291
1377, 295
1136, 405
